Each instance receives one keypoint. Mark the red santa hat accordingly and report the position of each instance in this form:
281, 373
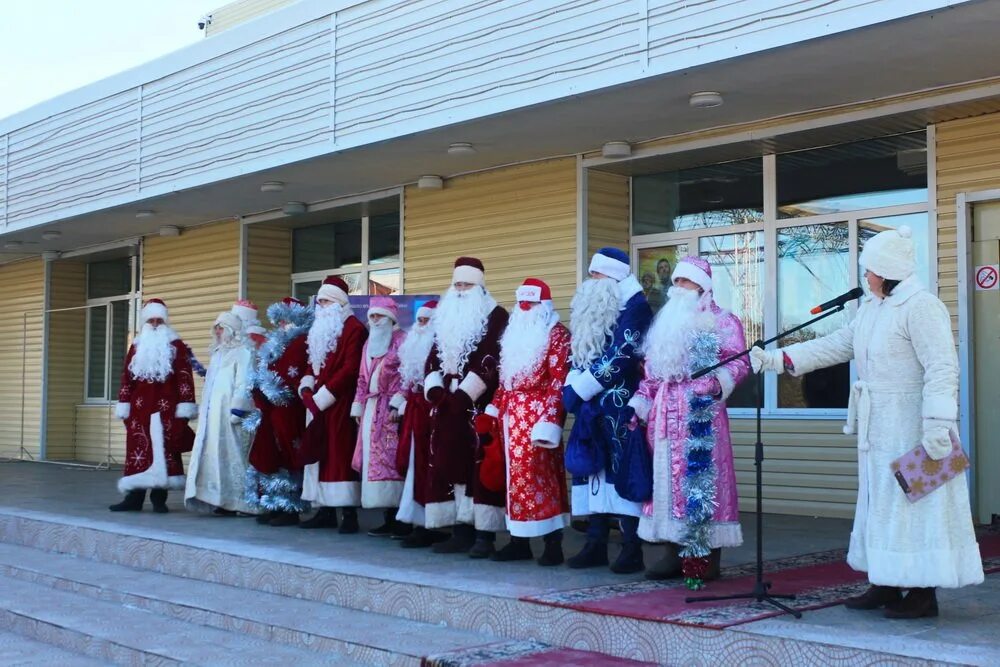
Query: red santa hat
335, 289
384, 305
246, 310
469, 270
154, 309
427, 309
695, 269
533, 290
292, 301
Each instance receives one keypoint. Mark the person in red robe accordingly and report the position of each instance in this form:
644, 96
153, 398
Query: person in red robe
274, 480
534, 362
462, 375
334, 344
156, 400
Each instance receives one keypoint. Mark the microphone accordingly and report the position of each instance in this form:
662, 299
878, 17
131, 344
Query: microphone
851, 295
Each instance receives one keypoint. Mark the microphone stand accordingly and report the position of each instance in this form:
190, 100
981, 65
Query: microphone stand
760, 592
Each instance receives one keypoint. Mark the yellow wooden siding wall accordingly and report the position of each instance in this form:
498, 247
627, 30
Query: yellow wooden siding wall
22, 290
241, 11
269, 265
521, 221
100, 437
608, 210
197, 275
65, 356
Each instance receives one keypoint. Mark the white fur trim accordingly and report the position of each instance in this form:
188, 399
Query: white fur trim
468, 274
381, 494
307, 382
609, 266
599, 497
155, 476
465, 510
424, 311
956, 567
586, 385
324, 399
940, 407
537, 528
692, 273
356, 409
640, 405
547, 432
186, 411
385, 312
473, 385
725, 379
669, 529
333, 293
398, 401
433, 381
154, 310
532, 293
440, 515
627, 289
245, 313
489, 518
329, 494
410, 511
122, 410
492, 411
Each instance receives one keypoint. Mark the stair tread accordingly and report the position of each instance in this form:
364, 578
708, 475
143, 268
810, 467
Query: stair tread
20, 651
143, 631
395, 634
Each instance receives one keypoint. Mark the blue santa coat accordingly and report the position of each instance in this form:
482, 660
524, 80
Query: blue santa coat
602, 414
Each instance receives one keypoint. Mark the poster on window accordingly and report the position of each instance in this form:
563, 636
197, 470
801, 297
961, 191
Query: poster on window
408, 305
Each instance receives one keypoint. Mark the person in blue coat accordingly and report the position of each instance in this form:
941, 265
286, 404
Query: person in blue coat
609, 317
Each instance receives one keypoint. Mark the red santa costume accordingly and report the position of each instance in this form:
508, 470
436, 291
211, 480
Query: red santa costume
462, 375
156, 400
534, 362
377, 411
334, 344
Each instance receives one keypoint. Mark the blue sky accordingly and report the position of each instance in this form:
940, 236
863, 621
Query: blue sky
49, 47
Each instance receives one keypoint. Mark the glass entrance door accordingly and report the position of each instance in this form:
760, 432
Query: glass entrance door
653, 266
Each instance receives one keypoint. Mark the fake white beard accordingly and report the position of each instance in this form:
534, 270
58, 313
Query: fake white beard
413, 353
593, 314
460, 321
667, 344
324, 333
524, 343
379, 337
154, 355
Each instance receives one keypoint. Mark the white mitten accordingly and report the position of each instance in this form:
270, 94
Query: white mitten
937, 438
767, 360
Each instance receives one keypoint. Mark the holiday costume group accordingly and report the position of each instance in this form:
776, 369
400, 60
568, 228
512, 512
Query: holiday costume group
455, 428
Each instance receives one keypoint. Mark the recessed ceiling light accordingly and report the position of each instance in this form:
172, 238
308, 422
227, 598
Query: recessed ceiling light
616, 149
145, 214
430, 182
272, 186
13, 245
51, 235
705, 100
461, 148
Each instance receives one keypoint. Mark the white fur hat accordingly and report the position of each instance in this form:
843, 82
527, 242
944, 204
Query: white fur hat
890, 254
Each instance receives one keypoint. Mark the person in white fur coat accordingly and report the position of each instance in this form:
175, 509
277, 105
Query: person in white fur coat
906, 394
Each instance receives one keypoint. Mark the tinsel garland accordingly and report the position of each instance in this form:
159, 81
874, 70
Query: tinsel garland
261, 377
280, 492
699, 484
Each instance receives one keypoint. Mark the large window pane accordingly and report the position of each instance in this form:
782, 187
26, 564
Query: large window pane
717, 195
305, 291
333, 246
654, 269
96, 347
737, 262
919, 224
384, 282
119, 340
849, 177
383, 238
813, 267
109, 278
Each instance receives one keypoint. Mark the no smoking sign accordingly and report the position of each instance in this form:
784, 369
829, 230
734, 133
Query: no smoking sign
987, 277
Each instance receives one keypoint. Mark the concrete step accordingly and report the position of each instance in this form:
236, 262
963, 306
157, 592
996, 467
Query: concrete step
20, 651
120, 634
361, 636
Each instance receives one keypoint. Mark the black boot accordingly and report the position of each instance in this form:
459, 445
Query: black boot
159, 499
462, 537
348, 521
553, 554
281, 519
918, 603
421, 538
714, 565
265, 518
325, 517
593, 554
388, 525
874, 597
483, 546
131, 503
668, 567
629, 559
519, 548
401, 530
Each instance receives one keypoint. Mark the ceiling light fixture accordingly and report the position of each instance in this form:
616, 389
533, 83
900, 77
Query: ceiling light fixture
272, 186
430, 182
51, 235
461, 148
705, 100
13, 245
616, 149
51, 255
294, 208
169, 230
145, 214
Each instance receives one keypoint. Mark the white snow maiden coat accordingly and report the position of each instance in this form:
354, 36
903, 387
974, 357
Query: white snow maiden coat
907, 372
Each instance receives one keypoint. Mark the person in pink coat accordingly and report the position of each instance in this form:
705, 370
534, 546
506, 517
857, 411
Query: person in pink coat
376, 408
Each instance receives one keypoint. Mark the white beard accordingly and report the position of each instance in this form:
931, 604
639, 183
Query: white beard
324, 333
460, 321
413, 353
668, 341
593, 314
524, 343
154, 355
379, 338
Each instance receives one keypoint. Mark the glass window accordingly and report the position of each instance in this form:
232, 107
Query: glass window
919, 224
305, 291
109, 278
383, 238
332, 246
119, 341
712, 196
97, 347
654, 269
813, 267
384, 282
737, 262
848, 177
